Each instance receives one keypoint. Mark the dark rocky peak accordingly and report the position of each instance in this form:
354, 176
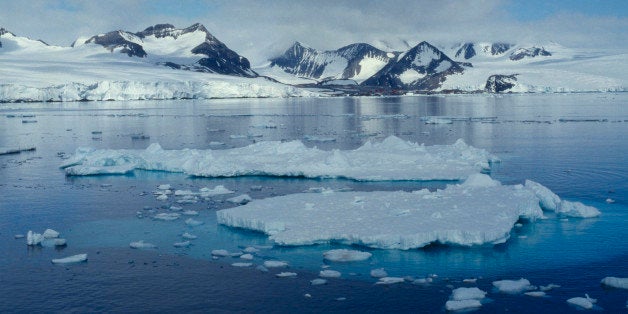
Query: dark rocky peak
467, 51
159, 31
118, 39
499, 48
3, 31
360, 50
522, 53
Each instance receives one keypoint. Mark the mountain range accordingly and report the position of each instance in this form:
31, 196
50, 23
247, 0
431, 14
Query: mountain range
163, 53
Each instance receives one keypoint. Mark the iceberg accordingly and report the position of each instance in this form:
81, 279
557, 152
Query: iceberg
71, 259
390, 159
478, 211
615, 282
585, 303
550, 201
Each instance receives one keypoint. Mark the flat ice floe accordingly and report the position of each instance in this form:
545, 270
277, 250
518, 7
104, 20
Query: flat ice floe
71, 259
615, 282
391, 159
478, 211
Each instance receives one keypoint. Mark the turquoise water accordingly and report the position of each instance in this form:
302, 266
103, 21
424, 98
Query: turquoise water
573, 144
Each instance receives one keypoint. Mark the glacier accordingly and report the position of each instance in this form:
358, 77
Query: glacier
390, 159
478, 211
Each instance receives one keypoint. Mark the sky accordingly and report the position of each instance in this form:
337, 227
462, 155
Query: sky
259, 29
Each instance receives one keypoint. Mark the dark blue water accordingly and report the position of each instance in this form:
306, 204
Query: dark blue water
573, 144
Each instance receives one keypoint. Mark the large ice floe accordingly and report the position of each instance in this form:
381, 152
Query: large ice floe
390, 159
478, 211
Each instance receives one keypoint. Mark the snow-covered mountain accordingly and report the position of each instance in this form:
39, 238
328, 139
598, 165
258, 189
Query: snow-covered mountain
191, 48
355, 62
469, 50
423, 67
125, 66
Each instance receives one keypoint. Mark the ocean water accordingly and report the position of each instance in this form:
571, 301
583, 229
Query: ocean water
575, 144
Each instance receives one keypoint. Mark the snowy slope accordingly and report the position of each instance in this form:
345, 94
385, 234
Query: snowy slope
34, 71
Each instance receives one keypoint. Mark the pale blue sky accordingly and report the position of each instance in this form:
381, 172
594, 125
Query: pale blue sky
261, 28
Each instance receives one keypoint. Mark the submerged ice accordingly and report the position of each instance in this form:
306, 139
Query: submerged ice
391, 159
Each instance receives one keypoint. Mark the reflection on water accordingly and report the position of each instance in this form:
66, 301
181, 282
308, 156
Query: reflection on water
574, 144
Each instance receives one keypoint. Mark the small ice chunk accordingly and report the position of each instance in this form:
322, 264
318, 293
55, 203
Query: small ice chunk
467, 294
166, 216
246, 256
615, 282
19, 236
241, 199
470, 280
328, 273
518, 225
256, 187
577, 209
344, 255
50, 234
176, 208
341, 299
142, 245
193, 223
218, 190
536, 294
221, 253
188, 236
610, 201
378, 273
182, 244
164, 187
59, 242
390, 280
513, 286
318, 281
33, 238
262, 268
71, 259
422, 281
462, 305
585, 303
250, 249
275, 264
240, 264
183, 192
190, 213
162, 197
286, 274
549, 287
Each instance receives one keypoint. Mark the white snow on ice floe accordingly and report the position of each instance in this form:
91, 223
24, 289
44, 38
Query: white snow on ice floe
318, 282
286, 274
585, 303
344, 255
391, 159
453, 305
478, 211
378, 273
142, 245
616, 282
71, 259
275, 264
536, 294
389, 280
328, 273
513, 286
550, 201
464, 299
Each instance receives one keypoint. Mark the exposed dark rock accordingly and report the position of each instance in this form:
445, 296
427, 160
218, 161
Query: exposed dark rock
467, 51
528, 53
500, 83
499, 48
115, 39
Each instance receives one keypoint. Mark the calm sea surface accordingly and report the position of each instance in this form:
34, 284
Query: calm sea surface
575, 144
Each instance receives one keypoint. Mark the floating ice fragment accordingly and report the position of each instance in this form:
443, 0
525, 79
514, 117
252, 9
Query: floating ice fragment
250, 249
193, 223
246, 256
462, 305
513, 286
436, 120
476, 212
328, 273
577, 209
162, 197
33, 238
344, 255
470, 280
176, 208
422, 281
549, 287
183, 192
610, 201
71, 259
286, 274
142, 245
242, 199
275, 264
307, 295
218, 190
50, 234
190, 213
536, 294
166, 216
239, 264
467, 294
378, 273
318, 281
164, 187
585, 303
391, 159
19, 236
616, 282
389, 280
221, 253
53, 242
548, 200
182, 244
262, 268
188, 236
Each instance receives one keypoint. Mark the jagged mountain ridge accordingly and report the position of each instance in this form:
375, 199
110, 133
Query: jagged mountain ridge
356, 61
191, 48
